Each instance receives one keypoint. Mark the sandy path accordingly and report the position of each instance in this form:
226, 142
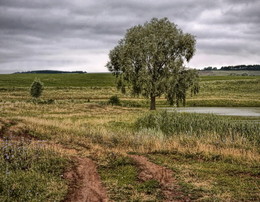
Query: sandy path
85, 183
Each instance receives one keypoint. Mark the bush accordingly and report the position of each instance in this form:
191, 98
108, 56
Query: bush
36, 88
114, 100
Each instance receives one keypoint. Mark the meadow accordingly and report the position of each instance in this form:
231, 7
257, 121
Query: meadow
213, 158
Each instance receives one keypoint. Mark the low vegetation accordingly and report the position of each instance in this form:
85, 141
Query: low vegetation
120, 175
212, 179
31, 172
212, 157
224, 91
218, 130
36, 88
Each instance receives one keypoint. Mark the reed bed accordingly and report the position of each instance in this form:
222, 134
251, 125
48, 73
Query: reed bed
201, 126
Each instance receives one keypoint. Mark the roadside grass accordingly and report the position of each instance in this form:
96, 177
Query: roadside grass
212, 179
120, 175
31, 172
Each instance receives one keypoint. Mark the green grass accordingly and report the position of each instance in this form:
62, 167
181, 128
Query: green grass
235, 73
239, 91
221, 130
214, 158
226, 77
212, 179
120, 175
30, 173
57, 80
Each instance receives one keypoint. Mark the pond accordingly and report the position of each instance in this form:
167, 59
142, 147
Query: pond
229, 111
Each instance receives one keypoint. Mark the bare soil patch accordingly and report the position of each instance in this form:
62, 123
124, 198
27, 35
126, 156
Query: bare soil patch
164, 176
85, 183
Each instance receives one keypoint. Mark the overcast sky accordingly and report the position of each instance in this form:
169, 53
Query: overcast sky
78, 34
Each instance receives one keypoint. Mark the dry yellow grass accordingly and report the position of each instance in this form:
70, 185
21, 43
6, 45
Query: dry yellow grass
89, 126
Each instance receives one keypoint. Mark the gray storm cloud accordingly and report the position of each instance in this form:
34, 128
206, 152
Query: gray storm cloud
77, 35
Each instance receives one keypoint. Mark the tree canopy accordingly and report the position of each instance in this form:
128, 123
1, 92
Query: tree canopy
150, 59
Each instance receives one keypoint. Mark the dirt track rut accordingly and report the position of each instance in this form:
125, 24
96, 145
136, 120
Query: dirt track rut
85, 183
164, 176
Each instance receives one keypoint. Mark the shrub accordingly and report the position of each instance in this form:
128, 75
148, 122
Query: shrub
114, 100
36, 88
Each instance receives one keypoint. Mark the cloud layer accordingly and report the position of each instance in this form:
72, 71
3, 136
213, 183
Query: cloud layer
78, 34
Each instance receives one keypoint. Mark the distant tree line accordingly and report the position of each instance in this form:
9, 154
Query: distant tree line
241, 67
236, 67
51, 72
210, 68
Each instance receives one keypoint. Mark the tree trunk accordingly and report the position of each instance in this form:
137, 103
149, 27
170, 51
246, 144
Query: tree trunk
177, 102
152, 104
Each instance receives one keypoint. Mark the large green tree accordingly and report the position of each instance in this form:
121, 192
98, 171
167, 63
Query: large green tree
150, 61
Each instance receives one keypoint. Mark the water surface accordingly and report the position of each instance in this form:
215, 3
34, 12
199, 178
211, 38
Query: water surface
229, 111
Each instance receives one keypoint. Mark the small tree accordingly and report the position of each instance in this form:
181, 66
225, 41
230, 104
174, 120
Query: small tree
36, 88
150, 60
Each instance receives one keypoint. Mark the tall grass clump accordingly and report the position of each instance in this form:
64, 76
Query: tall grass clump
200, 125
30, 173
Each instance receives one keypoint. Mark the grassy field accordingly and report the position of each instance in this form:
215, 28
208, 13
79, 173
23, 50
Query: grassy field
229, 73
240, 91
213, 158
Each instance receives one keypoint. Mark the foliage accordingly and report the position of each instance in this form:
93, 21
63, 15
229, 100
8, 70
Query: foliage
36, 88
150, 60
114, 100
177, 90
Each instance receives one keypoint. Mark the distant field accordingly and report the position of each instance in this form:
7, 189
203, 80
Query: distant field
214, 91
229, 73
102, 79
57, 80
